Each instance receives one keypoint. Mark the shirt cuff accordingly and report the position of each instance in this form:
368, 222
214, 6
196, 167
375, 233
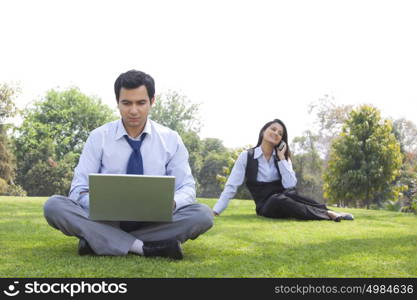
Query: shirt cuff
182, 199
84, 201
217, 209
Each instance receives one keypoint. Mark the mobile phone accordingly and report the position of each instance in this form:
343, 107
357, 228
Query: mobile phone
281, 146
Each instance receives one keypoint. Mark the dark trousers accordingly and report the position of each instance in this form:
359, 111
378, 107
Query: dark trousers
292, 205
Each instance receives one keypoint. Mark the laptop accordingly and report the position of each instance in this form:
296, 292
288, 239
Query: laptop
126, 197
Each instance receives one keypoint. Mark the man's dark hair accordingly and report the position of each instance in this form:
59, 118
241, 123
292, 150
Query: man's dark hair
133, 79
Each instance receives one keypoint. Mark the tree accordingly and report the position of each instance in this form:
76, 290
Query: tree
408, 180
3, 186
330, 118
7, 171
214, 158
7, 107
194, 145
7, 110
365, 159
310, 152
232, 156
308, 166
66, 117
406, 133
51, 138
212, 145
175, 111
213, 164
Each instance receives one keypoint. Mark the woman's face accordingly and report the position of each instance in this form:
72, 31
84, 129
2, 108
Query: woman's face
273, 134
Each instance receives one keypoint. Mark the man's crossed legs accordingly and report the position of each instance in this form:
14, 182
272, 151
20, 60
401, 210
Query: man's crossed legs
148, 238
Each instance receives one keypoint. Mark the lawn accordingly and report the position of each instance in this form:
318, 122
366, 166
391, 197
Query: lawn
241, 244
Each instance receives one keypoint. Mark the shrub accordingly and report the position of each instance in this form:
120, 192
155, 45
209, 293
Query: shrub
15, 190
3, 186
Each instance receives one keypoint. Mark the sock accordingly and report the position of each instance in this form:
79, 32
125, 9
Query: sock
137, 247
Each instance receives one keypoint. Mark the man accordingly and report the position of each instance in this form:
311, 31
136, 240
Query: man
133, 144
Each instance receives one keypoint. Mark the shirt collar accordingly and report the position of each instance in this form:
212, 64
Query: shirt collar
121, 130
258, 152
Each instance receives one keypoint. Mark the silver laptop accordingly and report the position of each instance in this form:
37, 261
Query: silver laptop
125, 197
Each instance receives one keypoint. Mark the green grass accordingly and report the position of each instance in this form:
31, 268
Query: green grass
241, 244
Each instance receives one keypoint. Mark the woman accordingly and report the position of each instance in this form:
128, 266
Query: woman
268, 173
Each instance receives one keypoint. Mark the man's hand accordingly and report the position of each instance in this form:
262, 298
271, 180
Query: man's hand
215, 213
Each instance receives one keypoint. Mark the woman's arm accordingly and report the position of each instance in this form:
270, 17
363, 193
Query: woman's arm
235, 180
289, 180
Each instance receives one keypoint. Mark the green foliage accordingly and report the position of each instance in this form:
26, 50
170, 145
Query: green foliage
413, 206
310, 152
364, 161
212, 145
15, 190
55, 177
233, 154
175, 111
51, 138
308, 166
7, 160
330, 118
231, 159
194, 145
408, 178
392, 205
3, 186
66, 118
406, 133
214, 158
212, 165
7, 107
7, 172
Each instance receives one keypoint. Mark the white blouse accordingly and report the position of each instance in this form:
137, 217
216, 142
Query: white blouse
267, 172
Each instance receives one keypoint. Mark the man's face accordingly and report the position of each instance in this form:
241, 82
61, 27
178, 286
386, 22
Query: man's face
134, 106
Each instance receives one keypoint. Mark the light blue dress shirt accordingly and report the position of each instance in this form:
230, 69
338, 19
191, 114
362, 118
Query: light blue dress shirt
106, 151
267, 172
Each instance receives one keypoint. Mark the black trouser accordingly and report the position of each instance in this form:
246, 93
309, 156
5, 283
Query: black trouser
295, 206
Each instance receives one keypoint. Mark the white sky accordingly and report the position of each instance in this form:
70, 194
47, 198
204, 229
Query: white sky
246, 62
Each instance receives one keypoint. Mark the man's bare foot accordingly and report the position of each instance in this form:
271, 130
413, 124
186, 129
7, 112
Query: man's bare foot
347, 216
334, 216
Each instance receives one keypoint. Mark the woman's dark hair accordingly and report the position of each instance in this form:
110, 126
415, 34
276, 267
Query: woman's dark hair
133, 79
284, 136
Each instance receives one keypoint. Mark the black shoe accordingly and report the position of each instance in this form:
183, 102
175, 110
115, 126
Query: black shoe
167, 248
84, 248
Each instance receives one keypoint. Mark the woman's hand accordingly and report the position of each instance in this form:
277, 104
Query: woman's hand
215, 213
281, 154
